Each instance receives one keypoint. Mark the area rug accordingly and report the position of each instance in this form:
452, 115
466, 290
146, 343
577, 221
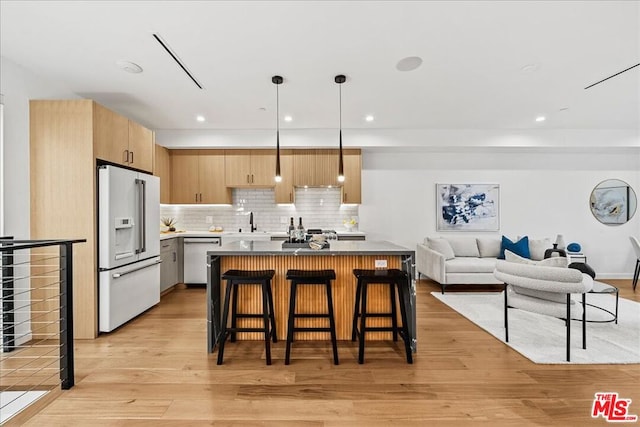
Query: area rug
542, 339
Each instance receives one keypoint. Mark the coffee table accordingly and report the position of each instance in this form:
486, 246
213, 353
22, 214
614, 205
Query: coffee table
604, 288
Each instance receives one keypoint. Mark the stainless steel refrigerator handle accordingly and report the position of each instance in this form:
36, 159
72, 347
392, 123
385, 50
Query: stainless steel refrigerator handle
116, 275
142, 210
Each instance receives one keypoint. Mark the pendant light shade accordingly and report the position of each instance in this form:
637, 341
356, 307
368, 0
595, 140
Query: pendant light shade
340, 78
277, 80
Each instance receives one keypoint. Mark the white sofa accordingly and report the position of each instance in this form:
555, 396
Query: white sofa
455, 260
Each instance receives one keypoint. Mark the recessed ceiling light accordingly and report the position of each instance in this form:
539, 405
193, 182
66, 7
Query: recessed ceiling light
369, 118
541, 119
200, 118
288, 118
129, 67
409, 63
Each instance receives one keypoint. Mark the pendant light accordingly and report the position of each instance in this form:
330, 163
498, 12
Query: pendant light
340, 78
277, 80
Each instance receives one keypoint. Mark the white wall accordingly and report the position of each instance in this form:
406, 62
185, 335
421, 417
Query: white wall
541, 195
18, 86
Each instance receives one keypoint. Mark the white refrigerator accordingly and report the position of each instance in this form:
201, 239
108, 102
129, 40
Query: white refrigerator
128, 245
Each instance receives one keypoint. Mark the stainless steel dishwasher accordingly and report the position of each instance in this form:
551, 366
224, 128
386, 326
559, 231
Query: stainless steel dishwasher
195, 258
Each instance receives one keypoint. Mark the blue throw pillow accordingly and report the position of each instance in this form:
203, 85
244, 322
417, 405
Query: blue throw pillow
520, 248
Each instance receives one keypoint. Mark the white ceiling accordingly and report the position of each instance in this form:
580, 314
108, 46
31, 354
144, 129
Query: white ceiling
472, 76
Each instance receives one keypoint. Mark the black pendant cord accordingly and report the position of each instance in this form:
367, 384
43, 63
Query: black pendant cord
340, 161
277, 80
340, 79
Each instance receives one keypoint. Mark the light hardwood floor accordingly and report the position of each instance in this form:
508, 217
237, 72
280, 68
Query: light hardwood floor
155, 371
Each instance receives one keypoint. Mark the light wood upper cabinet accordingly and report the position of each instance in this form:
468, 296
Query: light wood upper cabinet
122, 141
211, 174
315, 167
284, 191
250, 168
162, 169
110, 135
351, 187
141, 147
197, 176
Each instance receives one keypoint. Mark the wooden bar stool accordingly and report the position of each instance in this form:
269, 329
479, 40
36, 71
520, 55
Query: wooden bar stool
395, 279
311, 277
234, 279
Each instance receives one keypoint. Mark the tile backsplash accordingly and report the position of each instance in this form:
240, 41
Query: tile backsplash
318, 207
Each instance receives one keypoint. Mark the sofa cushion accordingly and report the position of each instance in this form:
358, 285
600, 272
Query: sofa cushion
549, 262
464, 246
521, 247
441, 246
537, 248
488, 247
470, 265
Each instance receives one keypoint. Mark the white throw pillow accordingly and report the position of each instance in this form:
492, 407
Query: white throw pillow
556, 261
549, 262
464, 246
488, 247
441, 246
537, 247
511, 257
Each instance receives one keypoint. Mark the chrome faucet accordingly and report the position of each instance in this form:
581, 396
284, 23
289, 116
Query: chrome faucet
253, 228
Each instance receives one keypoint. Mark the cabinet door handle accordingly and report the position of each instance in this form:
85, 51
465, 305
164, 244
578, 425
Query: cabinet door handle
345, 198
200, 197
290, 196
196, 197
248, 182
252, 178
175, 257
131, 157
125, 156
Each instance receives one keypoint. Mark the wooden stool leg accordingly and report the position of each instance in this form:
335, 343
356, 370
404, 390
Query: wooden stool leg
290, 321
404, 299
394, 311
363, 323
234, 312
223, 326
356, 311
265, 316
274, 332
332, 323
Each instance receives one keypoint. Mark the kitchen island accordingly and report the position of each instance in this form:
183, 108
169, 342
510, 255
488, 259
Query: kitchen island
342, 256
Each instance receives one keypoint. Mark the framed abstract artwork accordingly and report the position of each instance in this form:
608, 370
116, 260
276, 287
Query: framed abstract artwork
612, 202
467, 207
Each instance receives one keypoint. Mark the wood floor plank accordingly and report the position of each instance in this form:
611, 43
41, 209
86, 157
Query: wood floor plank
154, 371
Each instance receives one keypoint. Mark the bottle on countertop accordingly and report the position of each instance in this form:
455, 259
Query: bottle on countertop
292, 231
300, 231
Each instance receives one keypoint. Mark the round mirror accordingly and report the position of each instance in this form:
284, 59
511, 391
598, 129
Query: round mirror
613, 202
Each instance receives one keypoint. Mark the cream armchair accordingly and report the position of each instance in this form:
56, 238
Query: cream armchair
544, 290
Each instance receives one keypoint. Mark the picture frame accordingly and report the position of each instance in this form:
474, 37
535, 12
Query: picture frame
467, 207
610, 204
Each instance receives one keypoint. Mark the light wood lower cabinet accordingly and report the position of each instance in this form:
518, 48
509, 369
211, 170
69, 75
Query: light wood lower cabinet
197, 176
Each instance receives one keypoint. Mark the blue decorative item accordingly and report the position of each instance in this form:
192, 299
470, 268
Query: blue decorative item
520, 248
574, 247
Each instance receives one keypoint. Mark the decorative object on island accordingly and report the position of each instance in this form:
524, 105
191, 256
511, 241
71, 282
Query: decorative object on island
467, 207
277, 80
340, 78
559, 242
169, 223
613, 202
